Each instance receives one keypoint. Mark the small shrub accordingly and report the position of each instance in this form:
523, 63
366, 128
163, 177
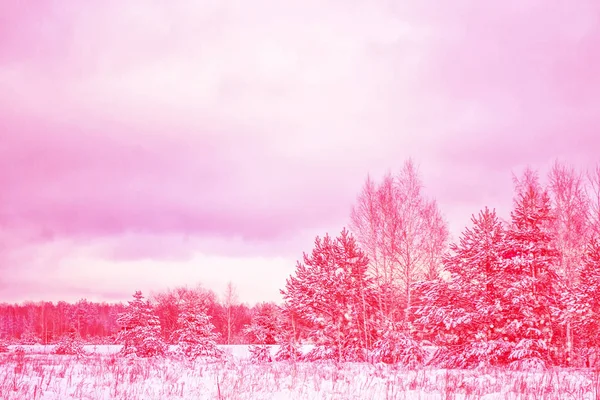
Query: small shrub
528, 364
529, 354
395, 347
288, 351
29, 339
140, 345
321, 353
260, 354
69, 345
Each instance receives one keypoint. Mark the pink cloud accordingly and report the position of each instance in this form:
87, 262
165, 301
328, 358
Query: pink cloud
156, 130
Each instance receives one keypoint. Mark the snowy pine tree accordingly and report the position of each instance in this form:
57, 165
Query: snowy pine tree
396, 346
140, 334
289, 348
287, 337
195, 334
262, 331
264, 325
530, 291
70, 344
333, 294
461, 313
260, 353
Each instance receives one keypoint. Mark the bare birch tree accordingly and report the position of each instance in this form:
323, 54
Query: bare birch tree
402, 232
594, 198
570, 206
229, 301
366, 221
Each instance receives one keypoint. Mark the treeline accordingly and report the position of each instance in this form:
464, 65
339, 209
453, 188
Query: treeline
97, 323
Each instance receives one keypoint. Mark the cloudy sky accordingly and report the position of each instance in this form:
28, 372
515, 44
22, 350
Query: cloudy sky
146, 144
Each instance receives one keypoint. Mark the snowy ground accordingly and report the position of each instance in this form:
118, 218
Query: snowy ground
39, 375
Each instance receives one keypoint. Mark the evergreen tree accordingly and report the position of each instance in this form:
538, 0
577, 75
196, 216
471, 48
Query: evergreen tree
530, 285
195, 334
260, 353
265, 324
140, 334
70, 344
287, 337
262, 331
332, 292
396, 346
461, 311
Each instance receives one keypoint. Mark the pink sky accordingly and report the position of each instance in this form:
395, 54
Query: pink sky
148, 144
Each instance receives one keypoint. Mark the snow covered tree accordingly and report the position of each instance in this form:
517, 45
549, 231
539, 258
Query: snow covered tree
70, 344
195, 334
265, 323
287, 337
460, 311
167, 305
140, 334
260, 353
289, 348
267, 328
570, 209
332, 292
396, 346
530, 283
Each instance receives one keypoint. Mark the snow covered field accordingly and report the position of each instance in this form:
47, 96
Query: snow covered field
237, 351
39, 375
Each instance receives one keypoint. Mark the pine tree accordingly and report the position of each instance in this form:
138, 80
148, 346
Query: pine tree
263, 331
260, 353
333, 294
140, 334
530, 281
289, 348
264, 327
394, 346
195, 334
70, 344
460, 313
287, 337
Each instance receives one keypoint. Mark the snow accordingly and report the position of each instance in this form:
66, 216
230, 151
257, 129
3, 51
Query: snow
239, 352
101, 376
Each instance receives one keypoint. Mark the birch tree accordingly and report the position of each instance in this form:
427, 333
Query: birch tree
570, 208
594, 201
229, 302
403, 233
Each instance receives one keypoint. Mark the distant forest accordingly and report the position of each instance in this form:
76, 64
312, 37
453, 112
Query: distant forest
97, 323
